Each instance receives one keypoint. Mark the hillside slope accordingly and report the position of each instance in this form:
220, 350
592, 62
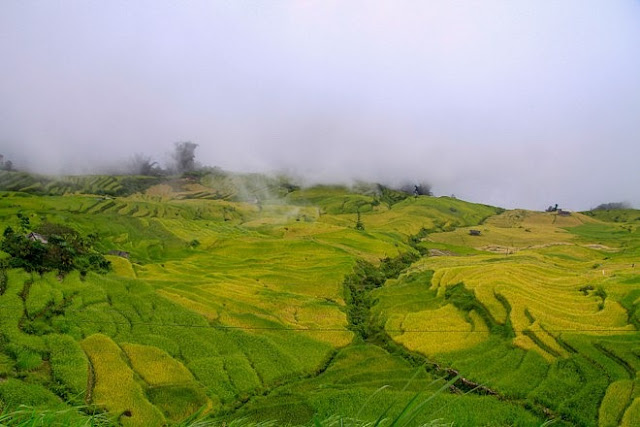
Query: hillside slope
228, 293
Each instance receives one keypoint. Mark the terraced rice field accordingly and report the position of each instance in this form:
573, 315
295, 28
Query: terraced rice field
231, 299
555, 302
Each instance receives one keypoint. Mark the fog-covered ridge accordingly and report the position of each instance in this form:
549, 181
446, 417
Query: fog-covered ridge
517, 105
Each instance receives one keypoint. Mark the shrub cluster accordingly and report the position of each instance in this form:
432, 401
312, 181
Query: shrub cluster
52, 247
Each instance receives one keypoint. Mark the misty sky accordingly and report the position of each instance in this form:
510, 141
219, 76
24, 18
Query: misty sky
511, 103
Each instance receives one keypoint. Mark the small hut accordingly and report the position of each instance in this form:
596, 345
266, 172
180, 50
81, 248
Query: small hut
35, 237
474, 233
121, 254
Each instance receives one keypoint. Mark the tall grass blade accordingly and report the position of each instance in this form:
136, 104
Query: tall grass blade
411, 413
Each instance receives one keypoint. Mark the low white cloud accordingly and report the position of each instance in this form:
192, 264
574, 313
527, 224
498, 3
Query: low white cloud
518, 104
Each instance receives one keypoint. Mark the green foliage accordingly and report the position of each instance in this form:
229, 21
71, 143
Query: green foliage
359, 224
416, 239
602, 294
52, 247
4, 278
29, 416
14, 393
357, 286
364, 279
392, 267
466, 301
25, 224
184, 156
26, 254
391, 197
631, 303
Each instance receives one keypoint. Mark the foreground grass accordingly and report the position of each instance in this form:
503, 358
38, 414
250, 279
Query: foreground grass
27, 417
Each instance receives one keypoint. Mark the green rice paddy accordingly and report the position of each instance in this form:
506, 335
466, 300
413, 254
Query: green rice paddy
231, 303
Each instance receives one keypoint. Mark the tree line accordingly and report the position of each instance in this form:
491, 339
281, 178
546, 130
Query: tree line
183, 160
6, 164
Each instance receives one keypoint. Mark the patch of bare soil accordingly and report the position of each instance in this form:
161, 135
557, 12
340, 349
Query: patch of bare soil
497, 249
441, 252
601, 247
548, 245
